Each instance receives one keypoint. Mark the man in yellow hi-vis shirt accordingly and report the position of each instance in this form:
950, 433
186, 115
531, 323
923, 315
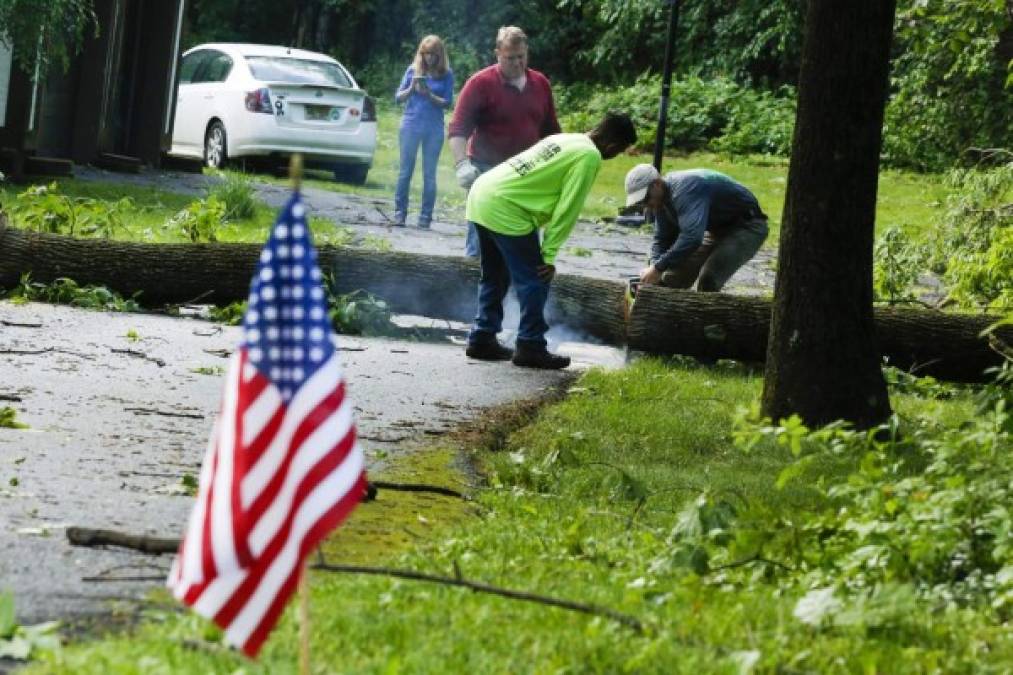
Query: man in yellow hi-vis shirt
542, 187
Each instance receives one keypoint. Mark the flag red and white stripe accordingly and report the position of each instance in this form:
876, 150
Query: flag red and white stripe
283, 467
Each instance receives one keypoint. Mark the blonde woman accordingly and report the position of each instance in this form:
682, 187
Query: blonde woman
426, 90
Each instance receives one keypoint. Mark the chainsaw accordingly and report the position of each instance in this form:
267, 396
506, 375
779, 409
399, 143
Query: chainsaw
632, 286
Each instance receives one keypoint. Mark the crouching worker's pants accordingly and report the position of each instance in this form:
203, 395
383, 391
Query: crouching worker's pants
718, 257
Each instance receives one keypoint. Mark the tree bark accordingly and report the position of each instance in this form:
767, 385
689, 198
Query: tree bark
822, 356
715, 325
663, 321
442, 287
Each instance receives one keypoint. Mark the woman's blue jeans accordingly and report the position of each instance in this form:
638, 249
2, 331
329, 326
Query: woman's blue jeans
507, 260
431, 140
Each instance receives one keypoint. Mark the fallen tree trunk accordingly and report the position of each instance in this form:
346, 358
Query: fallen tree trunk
443, 287
716, 325
662, 321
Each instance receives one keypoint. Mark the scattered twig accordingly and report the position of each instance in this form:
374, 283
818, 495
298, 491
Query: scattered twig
625, 619
130, 578
1000, 346
908, 301
399, 351
208, 647
208, 333
384, 439
26, 352
13, 398
222, 353
152, 474
352, 349
140, 355
18, 324
200, 297
382, 213
417, 487
749, 561
164, 413
46, 350
83, 536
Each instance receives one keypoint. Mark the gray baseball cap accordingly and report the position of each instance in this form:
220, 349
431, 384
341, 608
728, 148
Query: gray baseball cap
638, 180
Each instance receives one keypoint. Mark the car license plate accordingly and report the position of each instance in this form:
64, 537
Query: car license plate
322, 113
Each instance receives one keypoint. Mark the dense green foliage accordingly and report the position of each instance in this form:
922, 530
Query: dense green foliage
950, 69
68, 292
41, 34
716, 114
974, 251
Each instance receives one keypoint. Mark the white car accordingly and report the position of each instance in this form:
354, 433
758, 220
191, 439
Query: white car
259, 101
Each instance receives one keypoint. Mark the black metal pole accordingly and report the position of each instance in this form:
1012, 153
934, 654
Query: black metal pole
666, 82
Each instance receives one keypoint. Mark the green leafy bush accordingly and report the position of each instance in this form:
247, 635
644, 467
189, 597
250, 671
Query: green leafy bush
898, 262
235, 191
67, 292
974, 251
715, 114
43, 208
231, 314
925, 516
360, 313
200, 221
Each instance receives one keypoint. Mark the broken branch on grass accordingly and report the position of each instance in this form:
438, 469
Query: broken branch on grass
164, 413
458, 580
749, 561
417, 487
84, 536
141, 355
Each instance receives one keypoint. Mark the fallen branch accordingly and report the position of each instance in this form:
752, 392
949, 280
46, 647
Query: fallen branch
86, 537
140, 355
13, 398
17, 324
585, 608
164, 413
83, 536
417, 487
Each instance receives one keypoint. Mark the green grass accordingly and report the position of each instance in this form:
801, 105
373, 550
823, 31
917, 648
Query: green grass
582, 506
906, 199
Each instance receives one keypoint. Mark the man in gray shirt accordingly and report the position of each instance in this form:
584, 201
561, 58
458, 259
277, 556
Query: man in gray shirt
706, 225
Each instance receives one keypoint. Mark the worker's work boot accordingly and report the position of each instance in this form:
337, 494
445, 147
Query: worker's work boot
538, 357
489, 351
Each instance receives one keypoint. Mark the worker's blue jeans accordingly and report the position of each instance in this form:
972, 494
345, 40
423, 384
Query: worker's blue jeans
507, 260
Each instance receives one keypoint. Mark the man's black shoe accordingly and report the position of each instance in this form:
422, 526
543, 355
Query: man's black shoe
489, 351
539, 358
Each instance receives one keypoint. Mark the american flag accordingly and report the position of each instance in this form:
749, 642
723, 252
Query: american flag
283, 467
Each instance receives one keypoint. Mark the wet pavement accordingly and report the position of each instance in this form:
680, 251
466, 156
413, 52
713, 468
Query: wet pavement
116, 422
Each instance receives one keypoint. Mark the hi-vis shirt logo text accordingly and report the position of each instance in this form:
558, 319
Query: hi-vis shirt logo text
525, 163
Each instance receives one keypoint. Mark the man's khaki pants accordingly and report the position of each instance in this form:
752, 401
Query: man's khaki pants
718, 257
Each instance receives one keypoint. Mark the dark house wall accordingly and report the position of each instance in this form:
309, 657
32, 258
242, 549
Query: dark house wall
118, 96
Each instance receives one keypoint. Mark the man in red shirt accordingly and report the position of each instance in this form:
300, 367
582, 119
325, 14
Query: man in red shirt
502, 110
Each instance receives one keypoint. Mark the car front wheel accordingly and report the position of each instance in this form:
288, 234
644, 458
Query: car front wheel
214, 146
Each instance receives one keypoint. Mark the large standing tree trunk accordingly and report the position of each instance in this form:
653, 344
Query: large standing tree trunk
823, 360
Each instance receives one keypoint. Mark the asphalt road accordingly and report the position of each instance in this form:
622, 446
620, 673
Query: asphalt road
115, 422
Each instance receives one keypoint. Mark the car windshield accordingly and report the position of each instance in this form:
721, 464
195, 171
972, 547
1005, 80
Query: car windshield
297, 71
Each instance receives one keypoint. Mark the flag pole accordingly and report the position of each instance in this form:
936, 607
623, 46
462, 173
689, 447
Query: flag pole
295, 170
